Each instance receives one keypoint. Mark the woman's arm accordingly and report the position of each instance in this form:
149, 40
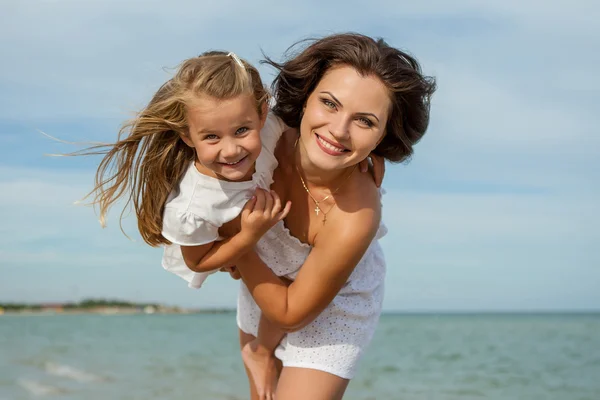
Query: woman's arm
334, 256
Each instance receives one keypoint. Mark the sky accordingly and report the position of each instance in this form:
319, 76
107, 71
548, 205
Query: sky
497, 210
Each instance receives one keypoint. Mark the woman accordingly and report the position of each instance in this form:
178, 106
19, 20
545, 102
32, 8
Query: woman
344, 96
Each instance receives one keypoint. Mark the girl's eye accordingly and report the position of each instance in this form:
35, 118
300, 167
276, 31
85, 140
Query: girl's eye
366, 121
211, 137
241, 131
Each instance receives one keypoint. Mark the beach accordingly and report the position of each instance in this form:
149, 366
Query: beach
429, 356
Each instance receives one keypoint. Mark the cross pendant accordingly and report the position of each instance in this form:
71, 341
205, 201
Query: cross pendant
317, 209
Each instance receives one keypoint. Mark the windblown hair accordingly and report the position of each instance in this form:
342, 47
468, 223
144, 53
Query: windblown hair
149, 157
410, 91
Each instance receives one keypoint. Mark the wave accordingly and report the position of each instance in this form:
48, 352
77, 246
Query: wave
65, 371
39, 389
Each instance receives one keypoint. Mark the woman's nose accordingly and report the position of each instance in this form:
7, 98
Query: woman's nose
339, 128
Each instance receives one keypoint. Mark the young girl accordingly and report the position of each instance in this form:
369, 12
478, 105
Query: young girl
199, 155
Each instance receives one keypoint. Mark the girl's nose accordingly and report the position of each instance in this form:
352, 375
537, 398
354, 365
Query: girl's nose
229, 149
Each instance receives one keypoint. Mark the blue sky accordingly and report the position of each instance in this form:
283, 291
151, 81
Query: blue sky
498, 210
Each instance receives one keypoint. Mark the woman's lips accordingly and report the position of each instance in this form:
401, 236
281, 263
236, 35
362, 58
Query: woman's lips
328, 147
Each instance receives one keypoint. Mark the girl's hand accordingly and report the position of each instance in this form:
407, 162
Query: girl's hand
262, 212
377, 165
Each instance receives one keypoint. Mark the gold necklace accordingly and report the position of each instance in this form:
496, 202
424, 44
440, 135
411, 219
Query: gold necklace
318, 208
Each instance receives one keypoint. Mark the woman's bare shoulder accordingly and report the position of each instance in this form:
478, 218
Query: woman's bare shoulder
285, 146
362, 193
359, 209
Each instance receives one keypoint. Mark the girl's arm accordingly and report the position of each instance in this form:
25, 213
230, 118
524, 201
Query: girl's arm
212, 256
259, 214
339, 248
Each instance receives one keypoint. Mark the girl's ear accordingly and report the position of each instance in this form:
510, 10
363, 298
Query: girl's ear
186, 139
264, 112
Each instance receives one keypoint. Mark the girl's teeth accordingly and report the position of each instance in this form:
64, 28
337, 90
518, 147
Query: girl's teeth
330, 146
233, 163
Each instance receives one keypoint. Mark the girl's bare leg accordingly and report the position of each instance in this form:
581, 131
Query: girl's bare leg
259, 358
245, 339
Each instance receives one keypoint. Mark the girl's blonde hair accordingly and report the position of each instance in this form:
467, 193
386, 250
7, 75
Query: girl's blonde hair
149, 157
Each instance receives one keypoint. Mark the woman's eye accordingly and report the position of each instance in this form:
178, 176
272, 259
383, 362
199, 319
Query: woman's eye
241, 131
328, 103
366, 121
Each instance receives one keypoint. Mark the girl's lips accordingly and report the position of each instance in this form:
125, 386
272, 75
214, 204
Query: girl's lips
234, 165
328, 147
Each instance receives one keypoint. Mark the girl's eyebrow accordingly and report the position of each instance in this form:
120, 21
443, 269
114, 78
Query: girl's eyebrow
340, 103
242, 122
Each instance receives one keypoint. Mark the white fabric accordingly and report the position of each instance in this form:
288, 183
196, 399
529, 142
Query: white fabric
201, 204
335, 340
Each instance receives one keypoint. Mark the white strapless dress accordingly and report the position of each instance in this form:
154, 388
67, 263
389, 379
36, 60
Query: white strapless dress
335, 340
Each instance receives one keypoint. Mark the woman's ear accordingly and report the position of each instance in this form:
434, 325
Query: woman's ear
380, 139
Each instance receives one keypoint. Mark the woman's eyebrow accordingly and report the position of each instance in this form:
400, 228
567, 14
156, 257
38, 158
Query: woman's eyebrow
334, 98
340, 103
371, 114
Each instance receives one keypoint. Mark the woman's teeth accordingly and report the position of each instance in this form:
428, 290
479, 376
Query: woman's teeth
329, 146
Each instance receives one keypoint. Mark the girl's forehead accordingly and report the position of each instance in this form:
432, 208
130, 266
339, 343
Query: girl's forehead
209, 113
202, 100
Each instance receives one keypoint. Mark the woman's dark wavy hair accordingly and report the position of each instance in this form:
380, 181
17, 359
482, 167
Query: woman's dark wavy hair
410, 90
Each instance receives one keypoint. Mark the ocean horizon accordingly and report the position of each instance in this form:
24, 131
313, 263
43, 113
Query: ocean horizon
413, 356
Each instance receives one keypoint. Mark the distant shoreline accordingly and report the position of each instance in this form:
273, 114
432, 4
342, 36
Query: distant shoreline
101, 307
441, 314
120, 307
113, 312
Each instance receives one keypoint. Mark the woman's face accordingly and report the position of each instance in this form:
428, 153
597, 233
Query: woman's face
344, 118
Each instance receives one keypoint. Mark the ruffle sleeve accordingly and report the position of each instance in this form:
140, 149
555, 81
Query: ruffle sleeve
185, 229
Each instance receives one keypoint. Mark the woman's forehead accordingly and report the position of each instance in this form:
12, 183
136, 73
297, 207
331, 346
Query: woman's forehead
355, 90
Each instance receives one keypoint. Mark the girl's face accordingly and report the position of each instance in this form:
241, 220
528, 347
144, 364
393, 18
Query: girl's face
226, 135
344, 118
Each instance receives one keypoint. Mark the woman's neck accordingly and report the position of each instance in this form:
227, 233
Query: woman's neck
314, 175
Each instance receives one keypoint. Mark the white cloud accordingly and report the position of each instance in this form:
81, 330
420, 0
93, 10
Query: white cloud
52, 250
444, 251
497, 209
498, 251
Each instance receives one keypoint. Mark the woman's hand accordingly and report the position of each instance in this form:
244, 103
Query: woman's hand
233, 272
376, 166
